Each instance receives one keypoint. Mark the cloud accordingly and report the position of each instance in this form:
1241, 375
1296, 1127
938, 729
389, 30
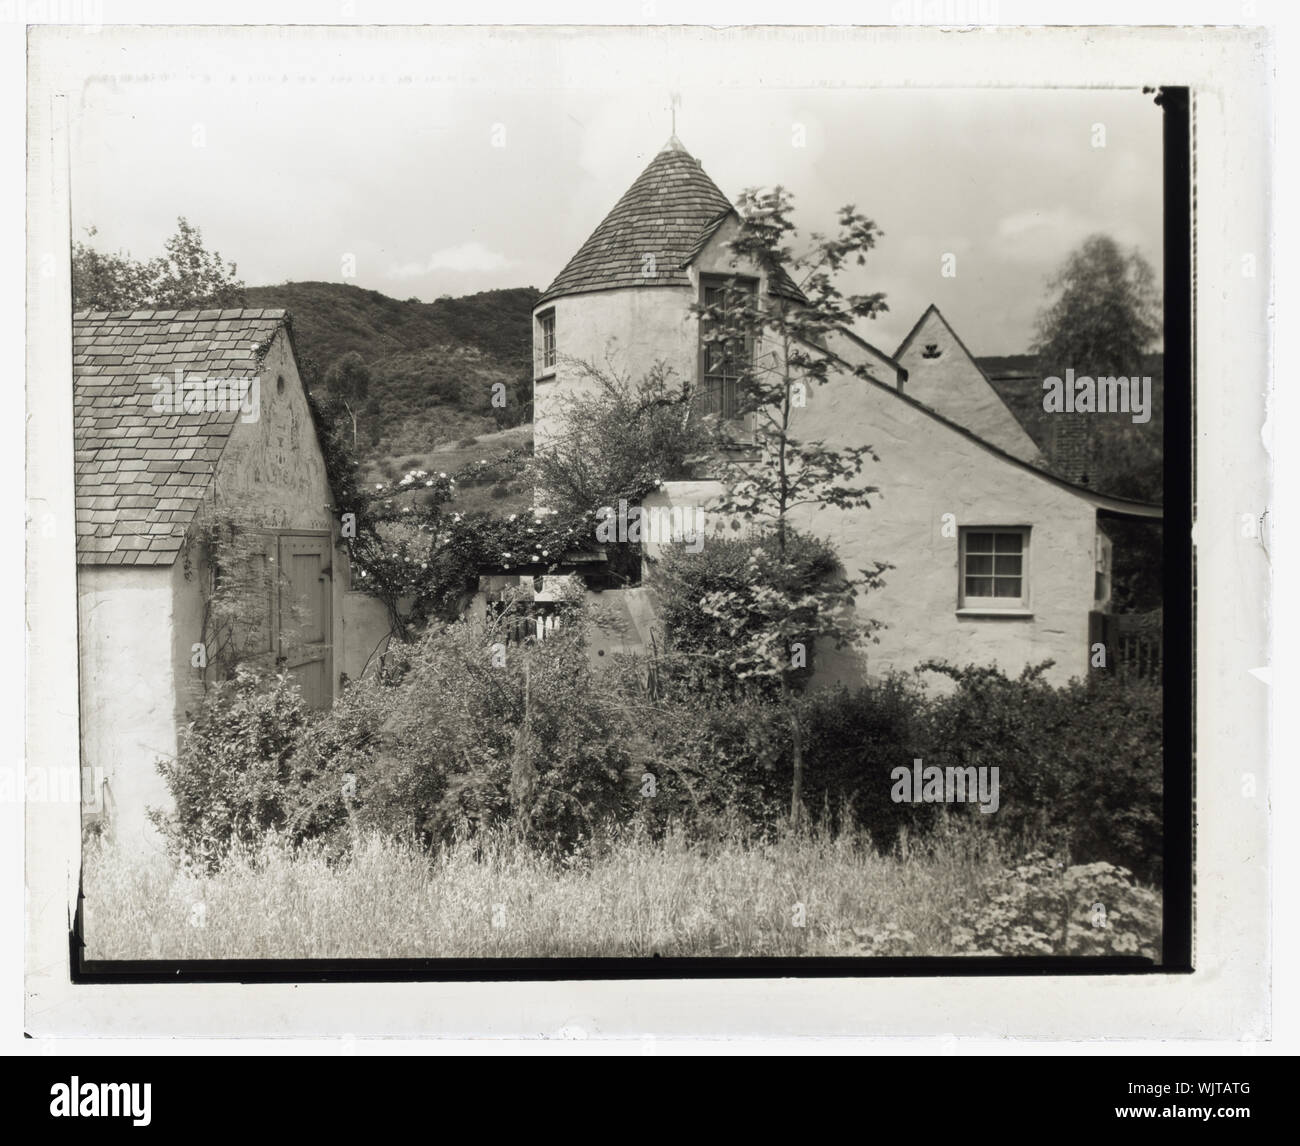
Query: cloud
471, 256
1047, 236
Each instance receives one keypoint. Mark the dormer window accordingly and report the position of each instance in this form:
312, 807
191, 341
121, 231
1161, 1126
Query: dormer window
724, 361
546, 342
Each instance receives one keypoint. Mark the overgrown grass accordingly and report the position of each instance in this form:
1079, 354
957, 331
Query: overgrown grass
493, 897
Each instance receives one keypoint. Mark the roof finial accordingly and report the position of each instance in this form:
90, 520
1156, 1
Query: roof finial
674, 102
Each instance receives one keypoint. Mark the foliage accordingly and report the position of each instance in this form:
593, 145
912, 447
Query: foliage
624, 893
186, 277
464, 730
231, 781
1082, 764
1044, 907
614, 439
349, 378
781, 473
433, 365
1104, 312
727, 608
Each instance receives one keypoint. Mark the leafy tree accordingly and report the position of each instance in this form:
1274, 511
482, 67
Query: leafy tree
1103, 319
1104, 314
782, 472
349, 381
187, 276
617, 439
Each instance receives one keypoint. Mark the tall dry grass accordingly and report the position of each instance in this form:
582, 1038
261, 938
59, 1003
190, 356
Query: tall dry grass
492, 897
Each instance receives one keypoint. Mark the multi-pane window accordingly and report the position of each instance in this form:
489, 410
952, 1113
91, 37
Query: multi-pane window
546, 341
993, 567
724, 361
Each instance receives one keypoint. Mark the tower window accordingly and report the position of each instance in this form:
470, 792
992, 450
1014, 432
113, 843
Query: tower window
546, 341
726, 355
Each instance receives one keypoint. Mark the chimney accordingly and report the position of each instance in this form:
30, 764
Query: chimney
1071, 447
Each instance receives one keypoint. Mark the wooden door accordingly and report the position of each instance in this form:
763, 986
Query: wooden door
306, 628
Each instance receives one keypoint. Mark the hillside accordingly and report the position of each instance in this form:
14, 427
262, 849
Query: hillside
432, 365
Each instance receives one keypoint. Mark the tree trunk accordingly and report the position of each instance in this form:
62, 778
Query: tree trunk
796, 751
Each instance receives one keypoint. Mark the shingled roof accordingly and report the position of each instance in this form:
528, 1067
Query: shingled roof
670, 212
141, 472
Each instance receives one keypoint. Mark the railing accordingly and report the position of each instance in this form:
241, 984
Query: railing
539, 622
1133, 643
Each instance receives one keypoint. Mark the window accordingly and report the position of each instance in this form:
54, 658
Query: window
994, 568
546, 341
724, 362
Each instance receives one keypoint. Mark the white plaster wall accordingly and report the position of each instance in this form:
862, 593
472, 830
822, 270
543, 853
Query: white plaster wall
366, 633
626, 331
954, 385
272, 472
927, 470
619, 331
128, 698
272, 468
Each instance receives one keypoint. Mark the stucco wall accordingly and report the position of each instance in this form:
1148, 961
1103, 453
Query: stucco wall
927, 470
366, 633
272, 468
625, 331
953, 384
618, 331
128, 698
139, 625
272, 474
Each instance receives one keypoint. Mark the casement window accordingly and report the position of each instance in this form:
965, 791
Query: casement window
546, 341
724, 362
994, 568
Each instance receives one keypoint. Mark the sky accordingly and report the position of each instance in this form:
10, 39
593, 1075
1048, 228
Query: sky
423, 162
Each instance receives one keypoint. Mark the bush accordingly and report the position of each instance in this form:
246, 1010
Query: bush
463, 732
1043, 907
685, 581
231, 780
1082, 764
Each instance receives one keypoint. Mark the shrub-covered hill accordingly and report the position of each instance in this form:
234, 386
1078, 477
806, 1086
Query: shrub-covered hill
432, 365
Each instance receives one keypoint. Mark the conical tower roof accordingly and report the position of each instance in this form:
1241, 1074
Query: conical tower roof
669, 212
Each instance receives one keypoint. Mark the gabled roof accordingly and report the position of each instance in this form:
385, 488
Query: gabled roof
670, 213
968, 396
1120, 506
141, 473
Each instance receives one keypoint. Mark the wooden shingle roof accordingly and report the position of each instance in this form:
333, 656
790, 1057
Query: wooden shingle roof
655, 231
144, 463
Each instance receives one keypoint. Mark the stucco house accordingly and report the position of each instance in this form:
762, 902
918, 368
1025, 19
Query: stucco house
995, 558
189, 427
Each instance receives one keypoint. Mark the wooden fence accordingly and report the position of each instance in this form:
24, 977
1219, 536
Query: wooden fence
1133, 643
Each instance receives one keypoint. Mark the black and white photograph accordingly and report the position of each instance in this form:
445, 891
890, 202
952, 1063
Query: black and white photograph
579, 503
518, 523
